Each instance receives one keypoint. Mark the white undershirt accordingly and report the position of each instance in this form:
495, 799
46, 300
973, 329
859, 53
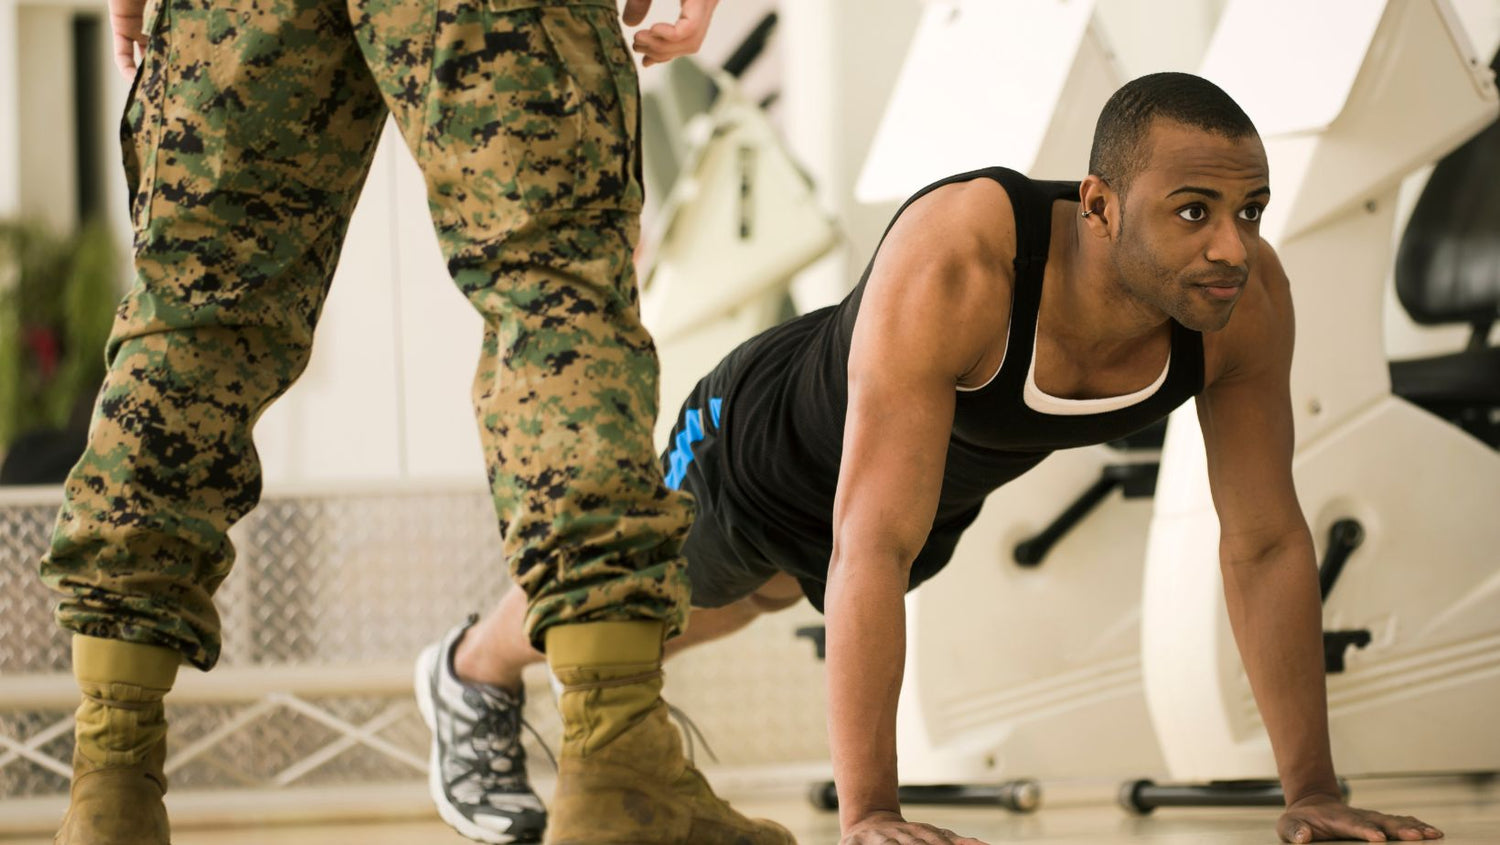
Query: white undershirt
1045, 403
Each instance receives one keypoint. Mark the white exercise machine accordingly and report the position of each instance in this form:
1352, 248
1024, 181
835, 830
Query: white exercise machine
740, 219
1401, 502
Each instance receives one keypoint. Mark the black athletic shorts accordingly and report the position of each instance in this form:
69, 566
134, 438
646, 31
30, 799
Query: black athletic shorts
723, 564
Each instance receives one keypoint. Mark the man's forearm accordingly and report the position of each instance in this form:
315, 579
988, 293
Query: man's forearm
866, 622
1276, 611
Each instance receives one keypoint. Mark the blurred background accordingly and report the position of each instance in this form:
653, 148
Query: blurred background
774, 161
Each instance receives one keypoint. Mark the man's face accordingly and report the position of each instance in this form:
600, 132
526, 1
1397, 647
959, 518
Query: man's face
1190, 224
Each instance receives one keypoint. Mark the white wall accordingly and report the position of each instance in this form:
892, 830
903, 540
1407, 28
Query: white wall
37, 138
342, 418
47, 186
10, 108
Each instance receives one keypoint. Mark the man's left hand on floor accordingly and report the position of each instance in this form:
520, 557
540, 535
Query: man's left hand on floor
1322, 819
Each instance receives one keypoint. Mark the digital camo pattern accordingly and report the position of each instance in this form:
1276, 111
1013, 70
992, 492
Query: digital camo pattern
246, 140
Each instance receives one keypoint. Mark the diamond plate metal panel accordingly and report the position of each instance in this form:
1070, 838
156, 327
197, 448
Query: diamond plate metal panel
368, 576
758, 695
22, 776
329, 578
351, 578
29, 639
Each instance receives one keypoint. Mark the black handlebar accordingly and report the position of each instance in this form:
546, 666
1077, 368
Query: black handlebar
751, 48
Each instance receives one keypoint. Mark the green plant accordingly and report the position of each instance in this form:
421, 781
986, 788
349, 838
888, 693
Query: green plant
57, 301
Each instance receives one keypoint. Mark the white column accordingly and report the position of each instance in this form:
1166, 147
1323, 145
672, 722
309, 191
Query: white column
10, 95
46, 186
842, 59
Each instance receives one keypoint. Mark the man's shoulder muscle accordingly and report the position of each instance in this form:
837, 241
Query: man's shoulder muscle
957, 241
948, 262
964, 221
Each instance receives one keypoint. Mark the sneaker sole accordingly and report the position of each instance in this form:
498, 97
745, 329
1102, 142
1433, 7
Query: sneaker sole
422, 683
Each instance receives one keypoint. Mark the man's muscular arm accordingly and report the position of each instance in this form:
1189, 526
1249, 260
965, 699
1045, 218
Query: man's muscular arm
1268, 564
927, 314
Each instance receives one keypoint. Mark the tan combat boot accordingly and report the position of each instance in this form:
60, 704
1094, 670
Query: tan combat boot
622, 777
121, 730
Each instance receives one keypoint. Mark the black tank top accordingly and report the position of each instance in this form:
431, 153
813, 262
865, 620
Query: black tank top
786, 394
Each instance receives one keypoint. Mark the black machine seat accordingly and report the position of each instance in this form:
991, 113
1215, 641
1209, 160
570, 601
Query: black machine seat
1446, 383
1448, 271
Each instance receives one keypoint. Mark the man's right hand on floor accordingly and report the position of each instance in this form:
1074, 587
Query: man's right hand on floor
886, 827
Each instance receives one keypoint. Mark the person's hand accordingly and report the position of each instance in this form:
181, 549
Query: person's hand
127, 17
1323, 818
887, 828
666, 41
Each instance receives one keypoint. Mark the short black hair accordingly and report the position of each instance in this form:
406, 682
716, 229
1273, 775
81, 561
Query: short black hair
1119, 150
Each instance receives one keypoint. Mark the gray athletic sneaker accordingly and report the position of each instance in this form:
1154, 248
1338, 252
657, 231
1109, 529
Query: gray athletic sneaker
477, 774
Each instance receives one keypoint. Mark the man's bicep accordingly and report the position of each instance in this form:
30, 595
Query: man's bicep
929, 312
1248, 438
895, 449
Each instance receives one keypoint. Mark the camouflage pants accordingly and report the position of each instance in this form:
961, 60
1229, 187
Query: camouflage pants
247, 138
